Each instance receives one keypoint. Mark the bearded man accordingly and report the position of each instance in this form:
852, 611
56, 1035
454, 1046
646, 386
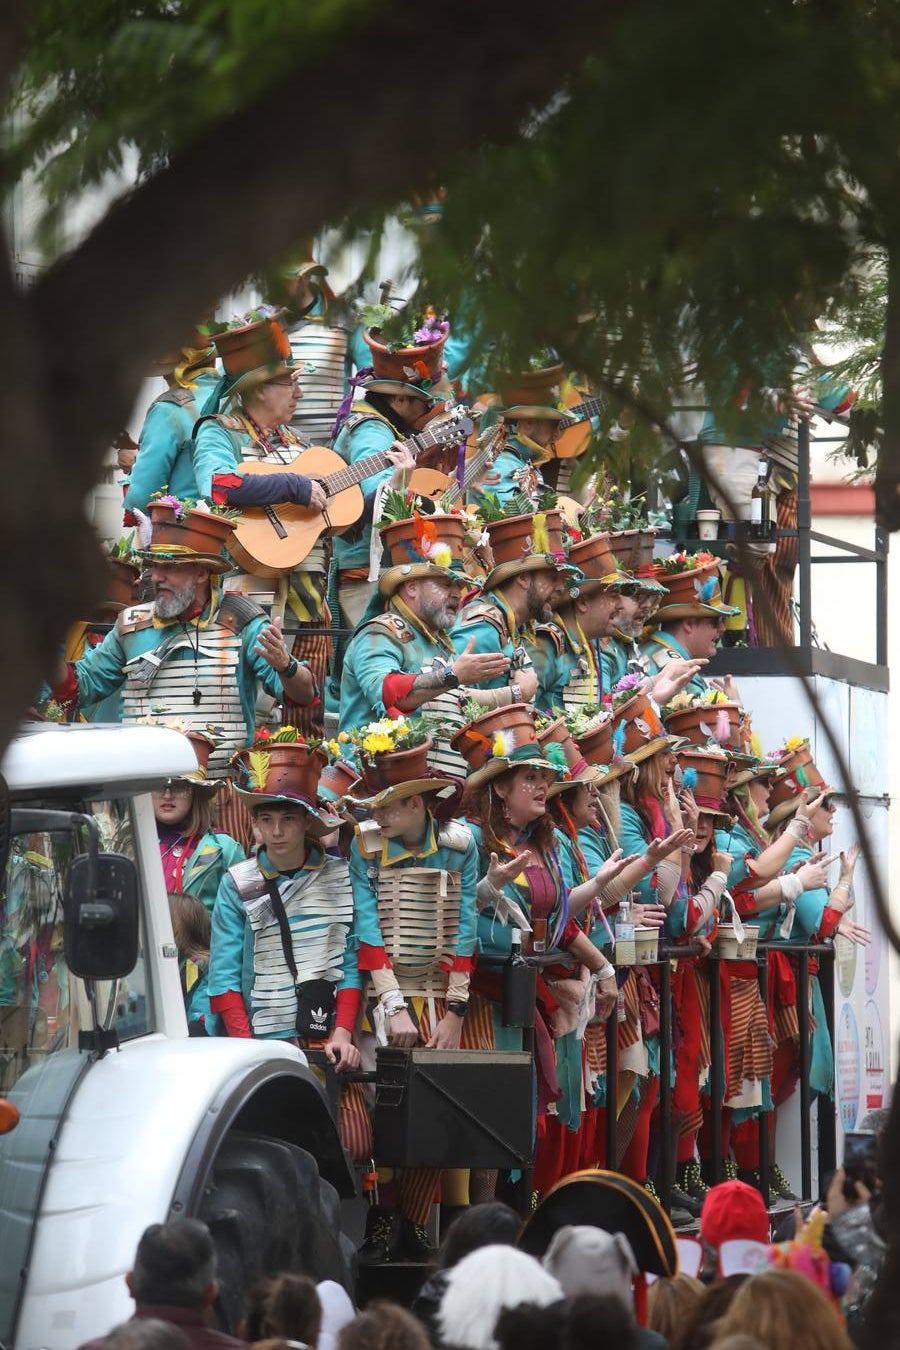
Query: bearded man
189, 651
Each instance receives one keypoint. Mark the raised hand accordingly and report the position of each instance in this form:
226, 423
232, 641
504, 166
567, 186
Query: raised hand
674, 675
270, 645
612, 868
813, 873
501, 874
658, 849
848, 862
648, 916
472, 667
856, 933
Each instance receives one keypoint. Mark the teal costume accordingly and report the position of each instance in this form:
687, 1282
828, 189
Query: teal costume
223, 665
422, 959
247, 954
207, 865
365, 433
659, 650
491, 622
518, 455
615, 653
164, 447
569, 669
382, 646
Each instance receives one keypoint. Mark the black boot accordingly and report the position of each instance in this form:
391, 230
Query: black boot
414, 1245
382, 1241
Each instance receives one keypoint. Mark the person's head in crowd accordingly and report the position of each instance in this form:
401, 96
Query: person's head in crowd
482, 1285
285, 1307
383, 1326
191, 926
175, 1266
700, 1330
146, 1333
588, 1260
732, 1212
491, 1224
583, 1323
670, 1304
786, 1312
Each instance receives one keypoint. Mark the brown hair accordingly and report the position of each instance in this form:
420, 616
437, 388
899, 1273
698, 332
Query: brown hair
671, 1302
200, 817
191, 926
383, 1326
786, 1311
283, 1307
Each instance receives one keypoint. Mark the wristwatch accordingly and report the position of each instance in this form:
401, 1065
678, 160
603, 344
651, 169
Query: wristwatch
291, 668
448, 674
457, 1006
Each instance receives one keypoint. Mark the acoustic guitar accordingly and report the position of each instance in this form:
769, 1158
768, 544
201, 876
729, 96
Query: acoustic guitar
444, 488
271, 540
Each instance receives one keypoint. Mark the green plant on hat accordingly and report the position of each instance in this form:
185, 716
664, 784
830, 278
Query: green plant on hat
123, 549
580, 721
181, 505
404, 329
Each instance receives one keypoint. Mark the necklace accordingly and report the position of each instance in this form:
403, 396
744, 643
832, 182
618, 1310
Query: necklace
197, 694
273, 444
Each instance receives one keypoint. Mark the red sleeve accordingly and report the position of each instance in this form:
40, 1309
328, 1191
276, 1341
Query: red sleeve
233, 1013
830, 920
129, 520
570, 933
349, 1002
466, 963
66, 692
395, 687
221, 482
372, 958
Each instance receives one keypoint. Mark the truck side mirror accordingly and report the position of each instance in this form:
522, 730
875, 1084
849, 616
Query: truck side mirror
100, 930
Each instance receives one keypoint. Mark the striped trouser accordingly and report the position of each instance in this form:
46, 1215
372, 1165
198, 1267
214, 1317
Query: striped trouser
233, 816
315, 650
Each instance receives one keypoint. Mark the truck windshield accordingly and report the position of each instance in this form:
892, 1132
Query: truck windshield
42, 1005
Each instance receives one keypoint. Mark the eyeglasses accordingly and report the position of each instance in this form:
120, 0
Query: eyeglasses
175, 788
290, 383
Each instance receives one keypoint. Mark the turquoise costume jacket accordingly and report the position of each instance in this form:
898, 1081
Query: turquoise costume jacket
491, 622
659, 650
517, 454
102, 671
494, 937
380, 647
246, 953
435, 853
743, 848
634, 838
365, 433
563, 660
207, 865
164, 458
615, 655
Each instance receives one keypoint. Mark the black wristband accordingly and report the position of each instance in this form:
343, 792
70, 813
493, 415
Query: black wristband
457, 1006
291, 669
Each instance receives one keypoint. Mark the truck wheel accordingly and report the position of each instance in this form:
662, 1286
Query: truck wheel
269, 1211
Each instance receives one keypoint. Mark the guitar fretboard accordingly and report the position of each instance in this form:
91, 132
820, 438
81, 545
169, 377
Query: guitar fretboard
363, 468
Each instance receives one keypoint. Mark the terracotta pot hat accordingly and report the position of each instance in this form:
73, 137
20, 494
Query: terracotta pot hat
181, 535
704, 723
527, 544
122, 578
633, 549
424, 546
533, 393
272, 772
692, 593
393, 775
409, 370
598, 565
252, 354
708, 773
498, 741
799, 773
638, 731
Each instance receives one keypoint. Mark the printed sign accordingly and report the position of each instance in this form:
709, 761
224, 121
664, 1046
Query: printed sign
848, 1068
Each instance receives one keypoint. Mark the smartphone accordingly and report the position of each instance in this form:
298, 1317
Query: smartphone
860, 1161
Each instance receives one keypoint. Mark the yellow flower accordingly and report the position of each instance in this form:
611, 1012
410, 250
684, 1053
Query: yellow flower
795, 743
442, 555
377, 743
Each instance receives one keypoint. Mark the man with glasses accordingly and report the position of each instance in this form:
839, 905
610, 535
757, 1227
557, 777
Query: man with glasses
688, 624
255, 404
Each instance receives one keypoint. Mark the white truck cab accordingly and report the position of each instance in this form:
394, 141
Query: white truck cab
125, 1120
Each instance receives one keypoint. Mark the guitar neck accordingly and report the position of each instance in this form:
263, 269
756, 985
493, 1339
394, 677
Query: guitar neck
364, 468
586, 409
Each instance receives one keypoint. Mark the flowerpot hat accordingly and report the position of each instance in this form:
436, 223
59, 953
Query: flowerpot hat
252, 354
337, 781
597, 565
638, 731
392, 775
276, 771
614, 1203
600, 754
534, 394
800, 773
703, 722
761, 769
417, 371
527, 544
182, 534
707, 773
693, 591
499, 741
121, 578
203, 741
423, 546
633, 548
